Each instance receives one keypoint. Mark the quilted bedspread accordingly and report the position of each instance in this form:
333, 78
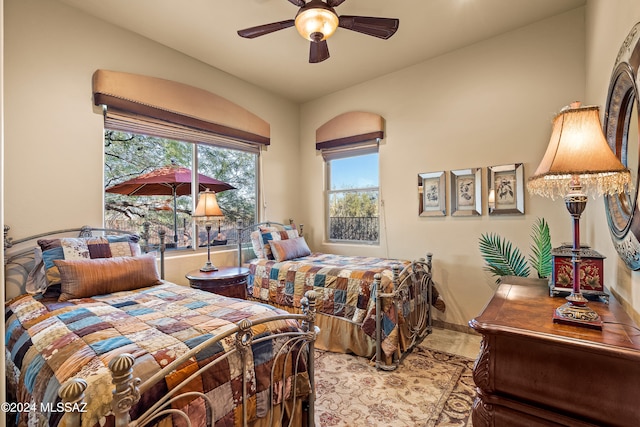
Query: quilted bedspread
48, 342
343, 284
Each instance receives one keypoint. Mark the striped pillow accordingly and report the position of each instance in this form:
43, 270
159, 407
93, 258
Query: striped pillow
82, 278
269, 236
284, 250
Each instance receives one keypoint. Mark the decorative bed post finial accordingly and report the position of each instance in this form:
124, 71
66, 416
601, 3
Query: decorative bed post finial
72, 395
7, 240
126, 393
145, 236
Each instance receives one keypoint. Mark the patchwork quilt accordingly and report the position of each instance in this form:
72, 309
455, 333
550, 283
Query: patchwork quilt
344, 286
48, 342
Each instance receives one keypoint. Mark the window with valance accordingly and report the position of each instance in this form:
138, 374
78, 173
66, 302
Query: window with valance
151, 123
349, 146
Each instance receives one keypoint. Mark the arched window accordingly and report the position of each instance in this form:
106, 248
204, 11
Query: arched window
349, 146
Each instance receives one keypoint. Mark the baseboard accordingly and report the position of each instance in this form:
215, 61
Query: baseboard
453, 327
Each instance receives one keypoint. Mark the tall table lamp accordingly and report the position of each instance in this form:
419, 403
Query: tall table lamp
208, 210
578, 162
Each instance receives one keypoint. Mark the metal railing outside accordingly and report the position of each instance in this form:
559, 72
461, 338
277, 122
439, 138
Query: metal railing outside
365, 229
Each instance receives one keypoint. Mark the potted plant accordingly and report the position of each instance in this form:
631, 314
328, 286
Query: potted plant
503, 259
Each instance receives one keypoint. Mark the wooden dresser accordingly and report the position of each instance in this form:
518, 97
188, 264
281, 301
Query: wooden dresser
533, 372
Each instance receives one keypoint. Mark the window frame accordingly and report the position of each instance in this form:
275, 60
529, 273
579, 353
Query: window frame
367, 148
195, 163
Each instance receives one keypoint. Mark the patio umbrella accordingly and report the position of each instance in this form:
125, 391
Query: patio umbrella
170, 180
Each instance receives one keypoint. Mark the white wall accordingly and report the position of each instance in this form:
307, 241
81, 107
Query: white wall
489, 104
53, 162
608, 23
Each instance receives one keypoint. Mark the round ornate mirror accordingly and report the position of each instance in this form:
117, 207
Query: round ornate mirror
621, 130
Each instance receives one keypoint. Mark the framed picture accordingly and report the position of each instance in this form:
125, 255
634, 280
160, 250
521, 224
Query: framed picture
432, 194
506, 189
466, 192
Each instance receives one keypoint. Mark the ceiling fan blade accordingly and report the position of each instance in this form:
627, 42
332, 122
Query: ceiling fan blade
298, 3
318, 51
378, 27
261, 30
333, 3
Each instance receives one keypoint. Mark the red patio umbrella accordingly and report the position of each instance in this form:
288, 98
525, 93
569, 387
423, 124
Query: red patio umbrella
170, 180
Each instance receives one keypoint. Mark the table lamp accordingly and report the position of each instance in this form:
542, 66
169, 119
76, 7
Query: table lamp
578, 162
207, 210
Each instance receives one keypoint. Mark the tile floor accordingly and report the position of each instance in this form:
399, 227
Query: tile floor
454, 342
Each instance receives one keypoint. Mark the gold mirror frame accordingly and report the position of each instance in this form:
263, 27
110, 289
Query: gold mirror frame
623, 215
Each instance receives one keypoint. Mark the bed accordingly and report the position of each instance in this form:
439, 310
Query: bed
112, 343
372, 307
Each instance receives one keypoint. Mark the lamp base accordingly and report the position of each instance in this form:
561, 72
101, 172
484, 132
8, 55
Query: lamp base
577, 315
208, 267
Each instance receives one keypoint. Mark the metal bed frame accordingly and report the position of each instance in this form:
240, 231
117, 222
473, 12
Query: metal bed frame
412, 293
128, 389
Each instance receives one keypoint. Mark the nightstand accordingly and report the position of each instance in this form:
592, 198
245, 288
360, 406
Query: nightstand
227, 281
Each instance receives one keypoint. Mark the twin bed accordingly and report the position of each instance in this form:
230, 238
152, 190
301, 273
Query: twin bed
372, 307
101, 339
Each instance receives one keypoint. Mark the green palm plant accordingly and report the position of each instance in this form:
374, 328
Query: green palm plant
540, 257
503, 259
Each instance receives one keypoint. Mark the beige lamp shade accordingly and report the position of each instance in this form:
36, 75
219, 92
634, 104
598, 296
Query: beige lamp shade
316, 21
207, 207
578, 150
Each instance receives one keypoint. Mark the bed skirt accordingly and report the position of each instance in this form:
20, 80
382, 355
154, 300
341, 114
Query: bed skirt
344, 336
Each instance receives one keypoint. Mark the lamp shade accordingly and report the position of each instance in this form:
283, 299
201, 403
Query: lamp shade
207, 206
317, 21
578, 150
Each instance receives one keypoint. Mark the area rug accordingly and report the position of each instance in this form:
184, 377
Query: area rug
430, 388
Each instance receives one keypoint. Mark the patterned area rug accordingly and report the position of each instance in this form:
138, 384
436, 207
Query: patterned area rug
430, 388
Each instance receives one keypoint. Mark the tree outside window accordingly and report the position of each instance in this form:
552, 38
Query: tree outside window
129, 155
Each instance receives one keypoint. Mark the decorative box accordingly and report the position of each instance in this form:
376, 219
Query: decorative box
591, 271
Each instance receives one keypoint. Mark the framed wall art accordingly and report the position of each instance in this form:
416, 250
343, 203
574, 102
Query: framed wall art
466, 192
432, 194
506, 189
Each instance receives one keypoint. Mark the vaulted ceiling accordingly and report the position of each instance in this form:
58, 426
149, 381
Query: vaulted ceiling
207, 30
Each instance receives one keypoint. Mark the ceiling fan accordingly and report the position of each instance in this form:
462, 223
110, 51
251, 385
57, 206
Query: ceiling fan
317, 20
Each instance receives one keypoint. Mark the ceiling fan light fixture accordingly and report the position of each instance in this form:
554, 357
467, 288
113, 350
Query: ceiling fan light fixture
316, 20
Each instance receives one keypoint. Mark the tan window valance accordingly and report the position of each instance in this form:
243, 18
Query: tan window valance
350, 128
136, 97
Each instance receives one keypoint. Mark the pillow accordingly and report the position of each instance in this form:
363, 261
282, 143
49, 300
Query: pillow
36, 280
269, 236
290, 248
258, 242
81, 278
85, 248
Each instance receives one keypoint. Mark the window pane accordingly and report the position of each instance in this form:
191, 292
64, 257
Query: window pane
353, 199
128, 156
354, 172
353, 215
237, 168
